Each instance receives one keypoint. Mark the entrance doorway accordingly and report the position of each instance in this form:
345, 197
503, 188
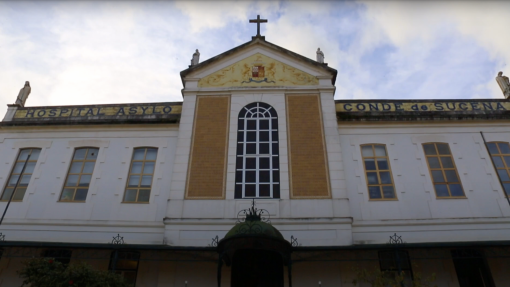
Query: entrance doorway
471, 268
257, 268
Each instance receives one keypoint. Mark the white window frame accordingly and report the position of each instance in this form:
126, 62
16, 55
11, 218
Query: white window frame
258, 112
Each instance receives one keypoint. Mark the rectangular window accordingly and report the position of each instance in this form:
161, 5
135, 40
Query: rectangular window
443, 171
378, 172
79, 175
140, 175
394, 261
125, 263
21, 174
500, 154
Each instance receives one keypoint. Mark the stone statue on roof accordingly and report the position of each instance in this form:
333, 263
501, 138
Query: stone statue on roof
320, 56
196, 58
504, 84
23, 94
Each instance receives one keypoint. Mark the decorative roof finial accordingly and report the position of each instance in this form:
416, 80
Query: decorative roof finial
258, 21
23, 94
504, 84
253, 214
196, 58
396, 240
118, 239
320, 56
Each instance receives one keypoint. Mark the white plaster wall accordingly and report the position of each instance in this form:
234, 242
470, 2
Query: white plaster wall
418, 215
316, 222
40, 217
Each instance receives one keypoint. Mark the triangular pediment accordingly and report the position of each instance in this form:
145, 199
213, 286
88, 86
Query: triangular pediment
257, 63
258, 70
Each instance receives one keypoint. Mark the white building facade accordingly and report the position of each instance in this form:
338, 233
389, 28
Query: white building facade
260, 122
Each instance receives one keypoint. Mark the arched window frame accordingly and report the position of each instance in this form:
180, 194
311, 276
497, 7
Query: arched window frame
141, 191
21, 161
383, 181
500, 156
257, 156
79, 192
442, 170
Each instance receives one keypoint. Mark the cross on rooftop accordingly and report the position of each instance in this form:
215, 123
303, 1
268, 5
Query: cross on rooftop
258, 21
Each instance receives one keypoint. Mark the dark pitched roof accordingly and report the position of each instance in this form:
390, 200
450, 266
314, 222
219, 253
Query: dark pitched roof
262, 41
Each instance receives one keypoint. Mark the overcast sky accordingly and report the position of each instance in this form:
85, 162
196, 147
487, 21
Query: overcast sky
101, 52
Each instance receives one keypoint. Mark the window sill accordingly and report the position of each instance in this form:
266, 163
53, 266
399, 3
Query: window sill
72, 201
383, 199
134, 202
256, 198
452, 197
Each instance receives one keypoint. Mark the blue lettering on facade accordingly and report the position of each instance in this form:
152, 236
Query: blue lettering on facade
133, 110
144, 109
121, 112
30, 113
154, 110
63, 111
463, 106
499, 106
475, 106
52, 113
99, 112
167, 109
79, 111
424, 106
90, 112
41, 113
487, 106
448, 106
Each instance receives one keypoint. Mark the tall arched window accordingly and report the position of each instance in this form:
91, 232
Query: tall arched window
257, 162
23, 167
443, 171
500, 153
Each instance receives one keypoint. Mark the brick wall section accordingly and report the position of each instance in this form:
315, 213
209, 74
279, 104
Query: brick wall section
206, 174
307, 152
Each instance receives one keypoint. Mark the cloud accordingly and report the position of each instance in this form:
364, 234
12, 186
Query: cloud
213, 14
488, 28
466, 41
95, 53
116, 52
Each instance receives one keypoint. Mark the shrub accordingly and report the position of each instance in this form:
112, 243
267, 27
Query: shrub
47, 272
